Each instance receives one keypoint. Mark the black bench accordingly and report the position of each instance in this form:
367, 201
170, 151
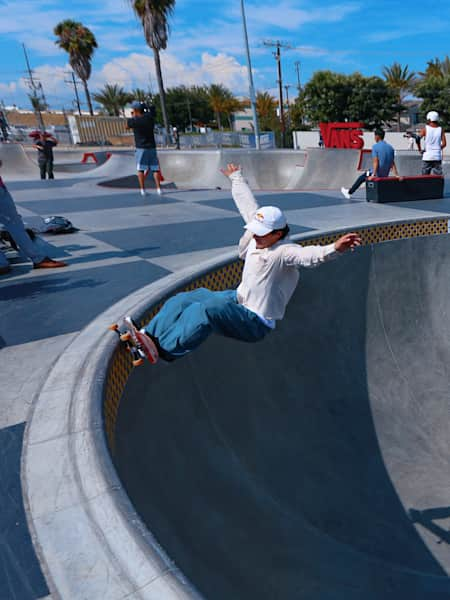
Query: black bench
405, 189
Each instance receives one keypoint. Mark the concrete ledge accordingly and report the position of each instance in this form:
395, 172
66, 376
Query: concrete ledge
88, 537
90, 541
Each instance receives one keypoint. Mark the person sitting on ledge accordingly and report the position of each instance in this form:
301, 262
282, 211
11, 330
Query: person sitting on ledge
382, 163
269, 279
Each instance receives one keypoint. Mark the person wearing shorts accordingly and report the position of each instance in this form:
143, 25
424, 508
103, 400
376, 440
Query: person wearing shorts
435, 143
142, 123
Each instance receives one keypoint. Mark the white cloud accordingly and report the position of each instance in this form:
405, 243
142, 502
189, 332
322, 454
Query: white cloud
8, 88
138, 70
287, 15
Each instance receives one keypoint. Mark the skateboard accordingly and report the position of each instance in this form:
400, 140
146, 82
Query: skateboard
138, 344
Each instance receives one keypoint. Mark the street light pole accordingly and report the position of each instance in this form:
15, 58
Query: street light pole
250, 80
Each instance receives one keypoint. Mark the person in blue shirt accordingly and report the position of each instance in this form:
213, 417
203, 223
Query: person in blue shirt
382, 163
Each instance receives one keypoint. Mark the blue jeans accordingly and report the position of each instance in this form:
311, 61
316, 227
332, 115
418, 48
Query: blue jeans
187, 319
12, 221
358, 183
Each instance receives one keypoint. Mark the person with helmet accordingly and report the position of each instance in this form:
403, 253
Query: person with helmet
434, 144
269, 278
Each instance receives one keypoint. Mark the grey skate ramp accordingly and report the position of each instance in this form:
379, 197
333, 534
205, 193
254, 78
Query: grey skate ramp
328, 169
313, 465
15, 162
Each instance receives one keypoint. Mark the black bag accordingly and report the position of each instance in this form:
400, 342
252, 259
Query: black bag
57, 225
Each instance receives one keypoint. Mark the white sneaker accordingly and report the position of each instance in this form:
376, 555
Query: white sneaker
159, 191
143, 193
344, 192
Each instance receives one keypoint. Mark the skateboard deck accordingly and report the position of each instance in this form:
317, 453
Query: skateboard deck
137, 343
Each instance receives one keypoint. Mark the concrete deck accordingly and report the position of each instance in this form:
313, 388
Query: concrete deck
125, 242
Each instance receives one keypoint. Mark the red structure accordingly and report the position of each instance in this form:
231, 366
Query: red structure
342, 135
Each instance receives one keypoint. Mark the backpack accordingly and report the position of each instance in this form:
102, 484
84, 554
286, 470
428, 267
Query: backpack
57, 225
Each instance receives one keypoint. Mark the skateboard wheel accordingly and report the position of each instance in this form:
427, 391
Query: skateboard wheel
138, 362
114, 327
125, 337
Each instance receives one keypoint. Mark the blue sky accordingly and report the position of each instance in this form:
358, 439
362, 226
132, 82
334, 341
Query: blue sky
206, 42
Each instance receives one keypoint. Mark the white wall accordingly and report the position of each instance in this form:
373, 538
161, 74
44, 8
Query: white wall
310, 139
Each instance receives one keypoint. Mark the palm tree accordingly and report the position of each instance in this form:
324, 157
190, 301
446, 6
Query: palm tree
80, 43
401, 80
39, 106
141, 95
154, 16
219, 99
266, 107
113, 98
437, 69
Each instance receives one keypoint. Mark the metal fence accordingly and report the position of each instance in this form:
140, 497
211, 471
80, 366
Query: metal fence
106, 130
219, 139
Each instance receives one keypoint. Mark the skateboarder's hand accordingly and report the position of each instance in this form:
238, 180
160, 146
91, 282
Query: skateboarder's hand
349, 241
231, 168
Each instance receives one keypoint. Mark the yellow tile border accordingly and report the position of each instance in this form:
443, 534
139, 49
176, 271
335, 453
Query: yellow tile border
228, 276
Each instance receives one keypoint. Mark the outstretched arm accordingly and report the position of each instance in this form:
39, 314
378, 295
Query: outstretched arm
312, 256
242, 195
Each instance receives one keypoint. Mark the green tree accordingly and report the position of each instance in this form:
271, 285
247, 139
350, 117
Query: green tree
113, 98
335, 97
325, 96
436, 69
154, 15
266, 107
38, 106
220, 99
435, 92
370, 101
80, 43
401, 80
141, 96
188, 105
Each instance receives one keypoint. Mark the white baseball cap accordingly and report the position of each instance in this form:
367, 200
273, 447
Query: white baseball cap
266, 219
433, 116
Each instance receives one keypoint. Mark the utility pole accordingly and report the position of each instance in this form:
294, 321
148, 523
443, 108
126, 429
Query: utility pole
189, 112
297, 68
286, 87
37, 92
277, 55
250, 80
73, 82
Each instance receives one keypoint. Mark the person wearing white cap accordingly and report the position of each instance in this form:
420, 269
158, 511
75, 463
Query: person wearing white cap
269, 279
434, 143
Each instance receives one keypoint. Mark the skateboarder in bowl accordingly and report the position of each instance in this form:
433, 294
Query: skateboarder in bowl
269, 279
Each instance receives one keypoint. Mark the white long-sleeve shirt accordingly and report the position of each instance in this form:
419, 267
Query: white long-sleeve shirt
270, 275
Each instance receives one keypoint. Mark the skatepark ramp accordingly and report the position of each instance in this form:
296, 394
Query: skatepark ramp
16, 162
310, 466
313, 465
